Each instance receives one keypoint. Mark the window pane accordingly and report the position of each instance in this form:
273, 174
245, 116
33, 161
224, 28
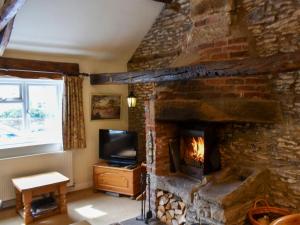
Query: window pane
11, 122
43, 108
9, 91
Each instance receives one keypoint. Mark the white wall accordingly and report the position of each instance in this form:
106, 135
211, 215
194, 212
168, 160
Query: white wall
83, 159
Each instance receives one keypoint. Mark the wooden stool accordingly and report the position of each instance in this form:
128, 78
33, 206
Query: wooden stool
28, 187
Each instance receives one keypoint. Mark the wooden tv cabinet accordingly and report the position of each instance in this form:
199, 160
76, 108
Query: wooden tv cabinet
117, 179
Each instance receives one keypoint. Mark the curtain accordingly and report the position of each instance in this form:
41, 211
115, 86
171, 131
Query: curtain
73, 118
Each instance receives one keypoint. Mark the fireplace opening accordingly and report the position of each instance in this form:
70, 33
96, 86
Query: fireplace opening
192, 148
195, 152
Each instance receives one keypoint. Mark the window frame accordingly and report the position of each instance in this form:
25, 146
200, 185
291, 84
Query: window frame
12, 100
24, 85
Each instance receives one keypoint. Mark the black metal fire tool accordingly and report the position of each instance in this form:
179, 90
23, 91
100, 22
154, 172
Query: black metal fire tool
149, 213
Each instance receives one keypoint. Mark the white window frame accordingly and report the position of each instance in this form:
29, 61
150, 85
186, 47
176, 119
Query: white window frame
39, 147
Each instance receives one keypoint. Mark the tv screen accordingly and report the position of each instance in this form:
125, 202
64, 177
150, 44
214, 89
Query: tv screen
118, 146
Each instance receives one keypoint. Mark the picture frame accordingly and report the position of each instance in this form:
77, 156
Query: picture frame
105, 106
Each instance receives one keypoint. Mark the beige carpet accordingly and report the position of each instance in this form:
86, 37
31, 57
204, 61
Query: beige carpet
97, 208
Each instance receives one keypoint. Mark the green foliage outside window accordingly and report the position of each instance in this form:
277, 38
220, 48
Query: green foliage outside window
17, 113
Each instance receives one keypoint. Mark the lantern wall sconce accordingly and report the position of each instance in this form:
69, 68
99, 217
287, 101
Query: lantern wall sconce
131, 100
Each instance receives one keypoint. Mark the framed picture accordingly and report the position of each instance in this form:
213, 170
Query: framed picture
105, 106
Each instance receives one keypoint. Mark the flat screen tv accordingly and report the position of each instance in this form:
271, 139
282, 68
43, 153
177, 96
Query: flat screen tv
118, 147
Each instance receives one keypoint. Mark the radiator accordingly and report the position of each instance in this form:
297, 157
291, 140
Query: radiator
34, 164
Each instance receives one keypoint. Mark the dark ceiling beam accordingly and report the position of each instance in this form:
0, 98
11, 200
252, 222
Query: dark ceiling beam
12, 64
30, 74
251, 66
9, 10
5, 36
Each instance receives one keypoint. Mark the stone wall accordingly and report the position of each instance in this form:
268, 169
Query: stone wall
274, 26
204, 30
272, 146
193, 31
164, 40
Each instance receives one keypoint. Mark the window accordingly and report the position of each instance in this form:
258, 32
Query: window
30, 112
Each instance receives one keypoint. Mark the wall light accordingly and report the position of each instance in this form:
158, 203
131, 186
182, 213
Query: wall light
131, 100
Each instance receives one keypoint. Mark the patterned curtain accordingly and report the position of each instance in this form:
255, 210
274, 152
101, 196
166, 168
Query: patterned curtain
73, 118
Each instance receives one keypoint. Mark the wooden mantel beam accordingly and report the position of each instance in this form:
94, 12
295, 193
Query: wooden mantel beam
9, 11
219, 110
251, 66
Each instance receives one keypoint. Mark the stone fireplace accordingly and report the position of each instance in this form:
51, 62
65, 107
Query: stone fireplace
256, 118
186, 166
237, 115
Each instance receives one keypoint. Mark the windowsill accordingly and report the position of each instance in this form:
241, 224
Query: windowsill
30, 155
28, 144
30, 149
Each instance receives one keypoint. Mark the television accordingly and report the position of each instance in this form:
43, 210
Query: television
118, 147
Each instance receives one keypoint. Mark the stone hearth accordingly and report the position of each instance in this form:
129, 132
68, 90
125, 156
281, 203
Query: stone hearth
221, 198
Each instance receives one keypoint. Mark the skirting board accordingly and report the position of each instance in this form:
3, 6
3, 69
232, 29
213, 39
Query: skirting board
80, 186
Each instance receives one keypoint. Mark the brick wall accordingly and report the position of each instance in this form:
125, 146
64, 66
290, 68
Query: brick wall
136, 120
272, 146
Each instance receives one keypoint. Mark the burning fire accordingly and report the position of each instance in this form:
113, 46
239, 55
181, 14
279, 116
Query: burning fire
198, 149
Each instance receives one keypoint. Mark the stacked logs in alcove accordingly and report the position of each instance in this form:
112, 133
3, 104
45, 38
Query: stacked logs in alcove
170, 208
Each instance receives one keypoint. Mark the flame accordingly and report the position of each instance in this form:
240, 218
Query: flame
198, 149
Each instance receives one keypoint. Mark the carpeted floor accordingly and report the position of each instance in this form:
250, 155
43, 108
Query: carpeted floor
96, 208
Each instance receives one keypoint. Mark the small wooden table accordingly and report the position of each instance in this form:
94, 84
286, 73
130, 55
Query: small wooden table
35, 185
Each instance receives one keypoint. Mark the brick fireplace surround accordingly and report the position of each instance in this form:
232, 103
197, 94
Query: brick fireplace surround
265, 154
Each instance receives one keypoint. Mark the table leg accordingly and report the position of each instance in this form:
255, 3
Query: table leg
62, 198
19, 204
27, 198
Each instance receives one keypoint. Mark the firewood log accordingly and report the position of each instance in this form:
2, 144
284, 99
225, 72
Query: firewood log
159, 194
174, 205
172, 213
163, 218
169, 217
181, 205
163, 200
170, 195
160, 214
161, 208
178, 212
172, 200
168, 206
169, 222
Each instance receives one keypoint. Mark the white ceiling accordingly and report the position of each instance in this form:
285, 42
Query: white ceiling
104, 29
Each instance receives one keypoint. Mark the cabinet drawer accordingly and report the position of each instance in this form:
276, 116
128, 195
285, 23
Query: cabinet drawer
116, 180
113, 180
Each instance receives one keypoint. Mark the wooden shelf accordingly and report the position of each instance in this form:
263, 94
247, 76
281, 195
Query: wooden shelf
41, 215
